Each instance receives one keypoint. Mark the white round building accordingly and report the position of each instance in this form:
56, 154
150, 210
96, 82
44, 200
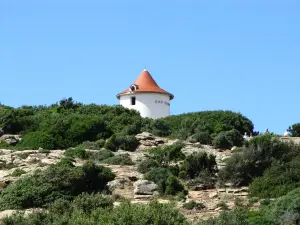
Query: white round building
145, 96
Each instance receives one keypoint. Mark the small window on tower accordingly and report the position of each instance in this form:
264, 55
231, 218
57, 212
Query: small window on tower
132, 100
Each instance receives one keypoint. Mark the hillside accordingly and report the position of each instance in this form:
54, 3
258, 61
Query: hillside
89, 164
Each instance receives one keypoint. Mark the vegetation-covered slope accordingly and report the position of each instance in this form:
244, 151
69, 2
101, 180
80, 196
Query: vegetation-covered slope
68, 124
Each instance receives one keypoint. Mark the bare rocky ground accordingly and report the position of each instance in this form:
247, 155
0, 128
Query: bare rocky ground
128, 182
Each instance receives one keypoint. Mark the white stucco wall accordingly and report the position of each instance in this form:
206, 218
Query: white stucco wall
152, 105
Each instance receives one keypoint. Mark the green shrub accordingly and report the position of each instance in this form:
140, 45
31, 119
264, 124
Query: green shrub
277, 180
17, 172
4, 145
36, 140
62, 180
204, 180
146, 165
295, 130
278, 209
6, 166
194, 205
167, 183
118, 160
238, 216
84, 202
213, 122
228, 139
265, 202
196, 163
44, 151
124, 142
202, 137
167, 154
173, 186
157, 127
97, 145
222, 205
258, 155
76, 153
159, 176
100, 155
23, 155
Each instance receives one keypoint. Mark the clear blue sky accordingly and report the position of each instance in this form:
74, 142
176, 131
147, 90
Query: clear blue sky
231, 55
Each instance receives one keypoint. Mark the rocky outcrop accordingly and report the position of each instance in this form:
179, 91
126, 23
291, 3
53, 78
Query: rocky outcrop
27, 160
296, 140
10, 139
145, 189
147, 140
242, 191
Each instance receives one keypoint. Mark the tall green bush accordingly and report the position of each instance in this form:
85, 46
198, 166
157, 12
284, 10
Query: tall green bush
167, 154
277, 180
198, 162
38, 139
228, 139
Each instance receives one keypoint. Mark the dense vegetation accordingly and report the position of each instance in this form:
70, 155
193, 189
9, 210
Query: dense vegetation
96, 210
270, 166
68, 124
284, 210
93, 134
62, 180
163, 168
295, 130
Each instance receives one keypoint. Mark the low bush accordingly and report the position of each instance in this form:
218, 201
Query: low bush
77, 152
44, 151
23, 155
194, 205
6, 166
62, 180
167, 183
123, 159
204, 180
84, 202
167, 154
17, 172
146, 165
202, 137
222, 205
100, 155
96, 145
124, 142
238, 216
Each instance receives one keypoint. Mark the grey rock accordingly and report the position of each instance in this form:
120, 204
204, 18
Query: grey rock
118, 183
145, 187
10, 139
145, 136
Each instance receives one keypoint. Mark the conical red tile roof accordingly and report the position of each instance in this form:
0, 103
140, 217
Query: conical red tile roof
145, 83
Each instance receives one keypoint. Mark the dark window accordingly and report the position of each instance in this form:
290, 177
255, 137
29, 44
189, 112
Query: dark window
132, 100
